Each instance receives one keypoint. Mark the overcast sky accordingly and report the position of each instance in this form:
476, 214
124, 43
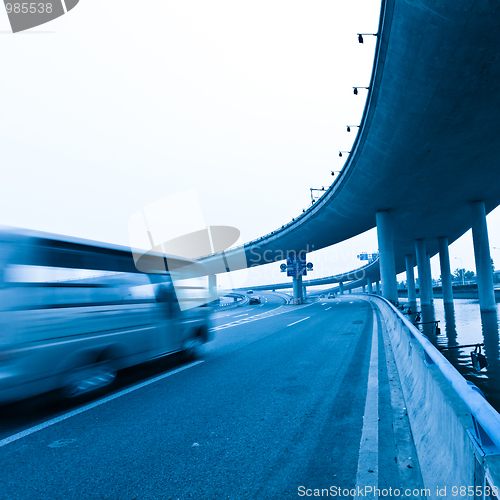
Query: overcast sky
120, 103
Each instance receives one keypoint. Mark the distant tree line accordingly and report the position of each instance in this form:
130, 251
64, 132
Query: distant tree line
458, 277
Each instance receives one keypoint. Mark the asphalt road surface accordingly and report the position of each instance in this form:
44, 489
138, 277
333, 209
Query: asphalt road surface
285, 400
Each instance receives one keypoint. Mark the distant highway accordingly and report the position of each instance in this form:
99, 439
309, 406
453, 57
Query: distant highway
278, 401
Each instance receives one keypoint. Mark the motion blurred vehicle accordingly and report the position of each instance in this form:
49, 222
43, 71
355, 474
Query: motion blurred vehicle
249, 292
75, 312
331, 295
254, 300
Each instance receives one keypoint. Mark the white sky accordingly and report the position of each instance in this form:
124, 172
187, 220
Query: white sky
120, 103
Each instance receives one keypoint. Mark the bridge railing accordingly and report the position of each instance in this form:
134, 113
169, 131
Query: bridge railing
456, 431
239, 300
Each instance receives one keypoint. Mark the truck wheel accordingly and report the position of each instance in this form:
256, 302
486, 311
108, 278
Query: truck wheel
88, 378
191, 349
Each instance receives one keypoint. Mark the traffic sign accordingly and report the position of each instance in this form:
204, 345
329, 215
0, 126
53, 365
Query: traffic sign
296, 265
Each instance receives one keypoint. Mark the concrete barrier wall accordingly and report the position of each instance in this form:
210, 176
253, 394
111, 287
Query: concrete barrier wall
442, 408
239, 300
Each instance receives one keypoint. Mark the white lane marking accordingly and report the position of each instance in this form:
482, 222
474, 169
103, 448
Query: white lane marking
241, 315
100, 402
264, 315
324, 304
303, 319
328, 308
231, 323
367, 474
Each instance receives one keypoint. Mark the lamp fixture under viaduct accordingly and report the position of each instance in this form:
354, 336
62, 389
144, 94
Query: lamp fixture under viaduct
361, 35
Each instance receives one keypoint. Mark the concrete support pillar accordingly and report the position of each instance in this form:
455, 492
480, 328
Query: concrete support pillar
364, 288
386, 256
297, 289
444, 263
304, 292
350, 291
423, 273
482, 256
341, 288
410, 279
370, 287
212, 286
429, 277
377, 287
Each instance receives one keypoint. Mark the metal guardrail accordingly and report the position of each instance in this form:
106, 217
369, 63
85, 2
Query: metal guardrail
243, 300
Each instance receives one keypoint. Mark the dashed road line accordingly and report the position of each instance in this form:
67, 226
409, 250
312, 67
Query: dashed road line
264, 315
303, 319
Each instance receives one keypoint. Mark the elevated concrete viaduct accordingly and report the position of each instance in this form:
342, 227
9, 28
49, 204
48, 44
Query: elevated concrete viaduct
427, 155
